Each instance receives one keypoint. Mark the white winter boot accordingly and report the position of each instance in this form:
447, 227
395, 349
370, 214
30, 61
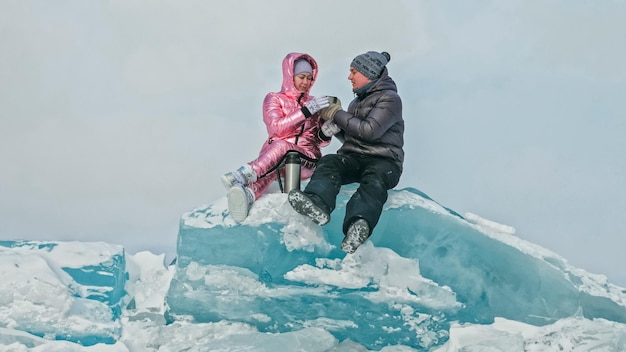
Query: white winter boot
240, 199
244, 175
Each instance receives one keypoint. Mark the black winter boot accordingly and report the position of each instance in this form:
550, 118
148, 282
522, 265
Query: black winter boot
358, 232
309, 205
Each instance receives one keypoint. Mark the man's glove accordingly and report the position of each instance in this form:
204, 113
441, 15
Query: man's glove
330, 128
315, 105
329, 113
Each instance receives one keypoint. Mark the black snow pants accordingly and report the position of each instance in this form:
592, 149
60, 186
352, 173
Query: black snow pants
375, 176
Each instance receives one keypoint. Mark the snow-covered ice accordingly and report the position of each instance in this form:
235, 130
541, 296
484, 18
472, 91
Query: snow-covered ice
429, 279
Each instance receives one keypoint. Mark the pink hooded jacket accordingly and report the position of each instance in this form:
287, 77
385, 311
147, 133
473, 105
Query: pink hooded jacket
288, 128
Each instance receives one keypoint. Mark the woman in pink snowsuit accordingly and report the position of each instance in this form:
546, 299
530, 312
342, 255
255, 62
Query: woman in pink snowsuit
292, 123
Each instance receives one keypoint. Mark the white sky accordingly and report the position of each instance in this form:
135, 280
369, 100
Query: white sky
118, 116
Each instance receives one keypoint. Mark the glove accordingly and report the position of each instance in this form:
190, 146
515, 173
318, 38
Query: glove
315, 105
330, 128
329, 113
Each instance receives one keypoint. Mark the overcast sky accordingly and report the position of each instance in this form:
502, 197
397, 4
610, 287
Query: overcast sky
118, 116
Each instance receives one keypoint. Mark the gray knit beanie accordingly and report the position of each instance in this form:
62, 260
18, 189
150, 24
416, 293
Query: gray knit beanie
302, 65
371, 63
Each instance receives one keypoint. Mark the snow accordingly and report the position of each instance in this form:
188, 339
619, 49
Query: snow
211, 299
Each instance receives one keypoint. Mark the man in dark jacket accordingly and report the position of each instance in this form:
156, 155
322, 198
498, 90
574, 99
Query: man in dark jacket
372, 133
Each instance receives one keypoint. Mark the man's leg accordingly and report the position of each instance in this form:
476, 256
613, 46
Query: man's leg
318, 199
366, 204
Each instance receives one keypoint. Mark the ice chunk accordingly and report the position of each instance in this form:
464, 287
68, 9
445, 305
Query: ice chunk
62, 290
423, 268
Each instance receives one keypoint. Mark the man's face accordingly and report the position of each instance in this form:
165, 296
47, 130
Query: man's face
357, 78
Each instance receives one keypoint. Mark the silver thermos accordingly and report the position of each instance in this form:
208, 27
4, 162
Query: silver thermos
292, 171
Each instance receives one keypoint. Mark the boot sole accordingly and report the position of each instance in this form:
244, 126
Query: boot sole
227, 182
238, 206
305, 206
356, 236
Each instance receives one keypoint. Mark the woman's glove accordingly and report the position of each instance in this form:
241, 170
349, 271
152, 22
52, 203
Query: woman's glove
315, 105
329, 113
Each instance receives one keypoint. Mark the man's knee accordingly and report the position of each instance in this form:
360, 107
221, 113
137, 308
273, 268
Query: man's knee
328, 164
374, 187
385, 176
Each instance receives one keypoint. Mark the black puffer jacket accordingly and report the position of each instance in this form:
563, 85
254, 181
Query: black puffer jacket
373, 124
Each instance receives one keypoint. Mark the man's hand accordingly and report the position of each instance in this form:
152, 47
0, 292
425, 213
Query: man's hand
329, 113
330, 128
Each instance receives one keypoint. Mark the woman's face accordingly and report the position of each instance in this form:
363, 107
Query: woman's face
357, 78
302, 82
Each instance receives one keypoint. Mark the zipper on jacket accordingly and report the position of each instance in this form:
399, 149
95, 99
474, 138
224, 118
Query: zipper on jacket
301, 129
